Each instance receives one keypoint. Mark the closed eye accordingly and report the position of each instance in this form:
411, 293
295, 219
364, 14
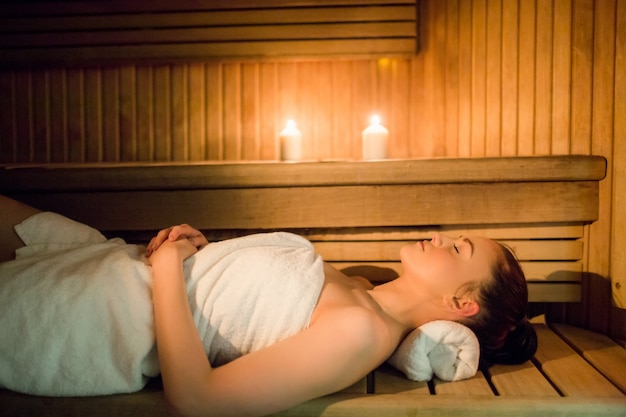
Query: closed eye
469, 244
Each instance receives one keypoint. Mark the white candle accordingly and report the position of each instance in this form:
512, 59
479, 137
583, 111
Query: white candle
375, 138
290, 142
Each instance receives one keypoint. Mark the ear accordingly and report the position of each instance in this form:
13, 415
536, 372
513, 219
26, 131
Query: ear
464, 306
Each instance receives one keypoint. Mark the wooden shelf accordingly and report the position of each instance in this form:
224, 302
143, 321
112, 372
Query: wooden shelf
214, 175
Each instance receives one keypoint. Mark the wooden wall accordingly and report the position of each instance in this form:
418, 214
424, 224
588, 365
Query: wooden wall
492, 77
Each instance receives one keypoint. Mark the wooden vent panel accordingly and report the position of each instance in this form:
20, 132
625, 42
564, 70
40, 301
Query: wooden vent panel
95, 31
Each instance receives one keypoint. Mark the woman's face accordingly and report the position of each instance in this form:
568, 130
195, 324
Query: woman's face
443, 265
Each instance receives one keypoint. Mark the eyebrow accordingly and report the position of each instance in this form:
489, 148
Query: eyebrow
470, 244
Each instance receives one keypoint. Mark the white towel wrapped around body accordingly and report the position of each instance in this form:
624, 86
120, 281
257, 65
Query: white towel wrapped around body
76, 314
249, 292
76, 309
446, 349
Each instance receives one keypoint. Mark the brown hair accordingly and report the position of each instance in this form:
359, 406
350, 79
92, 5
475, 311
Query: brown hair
501, 325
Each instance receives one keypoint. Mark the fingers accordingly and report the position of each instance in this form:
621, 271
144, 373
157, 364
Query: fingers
183, 230
157, 241
174, 233
182, 247
188, 232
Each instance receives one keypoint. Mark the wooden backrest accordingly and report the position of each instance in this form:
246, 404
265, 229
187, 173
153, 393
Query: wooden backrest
104, 32
358, 214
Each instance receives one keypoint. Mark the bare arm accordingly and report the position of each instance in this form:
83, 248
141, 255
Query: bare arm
13, 212
181, 354
334, 353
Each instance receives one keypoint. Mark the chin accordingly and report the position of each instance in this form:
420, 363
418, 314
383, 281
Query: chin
409, 253
404, 251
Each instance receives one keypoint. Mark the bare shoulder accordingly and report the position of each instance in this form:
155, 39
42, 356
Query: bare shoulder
364, 282
345, 309
332, 273
359, 330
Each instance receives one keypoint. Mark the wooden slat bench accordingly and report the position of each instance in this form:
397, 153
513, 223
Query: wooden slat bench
358, 214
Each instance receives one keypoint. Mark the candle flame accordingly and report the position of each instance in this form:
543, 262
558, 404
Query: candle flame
375, 120
290, 129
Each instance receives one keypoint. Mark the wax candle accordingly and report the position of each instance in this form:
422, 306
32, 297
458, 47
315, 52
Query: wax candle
375, 138
290, 142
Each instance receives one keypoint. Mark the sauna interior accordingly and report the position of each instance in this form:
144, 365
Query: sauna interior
448, 79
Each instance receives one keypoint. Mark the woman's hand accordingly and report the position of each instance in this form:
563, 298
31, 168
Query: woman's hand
182, 358
175, 233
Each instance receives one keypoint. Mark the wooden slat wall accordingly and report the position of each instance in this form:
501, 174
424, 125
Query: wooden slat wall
95, 32
492, 77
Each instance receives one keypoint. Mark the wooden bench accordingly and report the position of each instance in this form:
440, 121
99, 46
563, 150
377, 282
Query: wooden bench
358, 214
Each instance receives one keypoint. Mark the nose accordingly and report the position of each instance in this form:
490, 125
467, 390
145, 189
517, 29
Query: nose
440, 240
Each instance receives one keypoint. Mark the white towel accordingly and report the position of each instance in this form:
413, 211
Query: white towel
75, 313
446, 349
250, 292
76, 309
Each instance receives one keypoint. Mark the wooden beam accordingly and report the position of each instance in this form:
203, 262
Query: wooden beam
352, 206
271, 174
618, 258
214, 18
21, 8
90, 32
403, 404
540, 250
554, 292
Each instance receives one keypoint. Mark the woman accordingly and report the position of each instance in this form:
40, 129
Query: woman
353, 327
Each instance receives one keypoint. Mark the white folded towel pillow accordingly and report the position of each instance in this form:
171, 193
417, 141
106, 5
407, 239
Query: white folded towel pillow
447, 349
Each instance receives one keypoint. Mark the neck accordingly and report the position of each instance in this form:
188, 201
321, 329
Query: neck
408, 306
